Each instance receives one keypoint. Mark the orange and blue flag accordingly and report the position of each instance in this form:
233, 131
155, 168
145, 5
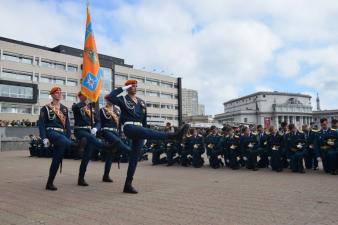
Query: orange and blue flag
91, 72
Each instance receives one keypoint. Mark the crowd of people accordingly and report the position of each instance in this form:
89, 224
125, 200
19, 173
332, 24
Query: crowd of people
17, 123
253, 147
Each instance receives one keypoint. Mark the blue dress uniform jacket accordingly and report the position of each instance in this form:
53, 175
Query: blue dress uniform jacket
328, 152
82, 117
275, 151
296, 145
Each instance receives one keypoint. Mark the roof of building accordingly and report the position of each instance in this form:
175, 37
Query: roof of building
267, 93
105, 60
329, 111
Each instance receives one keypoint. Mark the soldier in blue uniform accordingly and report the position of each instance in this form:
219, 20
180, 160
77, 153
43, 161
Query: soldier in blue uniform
134, 121
213, 153
197, 148
295, 146
311, 144
157, 150
54, 128
263, 150
249, 148
86, 124
275, 149
231, 148
171, 150
327, 147
185, 153
110, 117
284, 131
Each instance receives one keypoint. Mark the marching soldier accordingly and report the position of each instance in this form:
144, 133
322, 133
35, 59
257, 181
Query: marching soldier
87, 123
109, 117
295, 146
249, 148
196, 147
327, 147
54, 128
134, 121
311, 144
275, 149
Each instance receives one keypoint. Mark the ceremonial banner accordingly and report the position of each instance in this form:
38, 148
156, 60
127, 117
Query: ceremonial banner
91, 72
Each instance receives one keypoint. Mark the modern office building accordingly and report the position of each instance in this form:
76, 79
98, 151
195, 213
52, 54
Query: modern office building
29, 71
267, 108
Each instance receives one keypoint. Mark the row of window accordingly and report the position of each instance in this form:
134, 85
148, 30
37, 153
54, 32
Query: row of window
67, 97
141, 92
28, 76
47, 63
162, 106
12, 91
146, 81
165, 117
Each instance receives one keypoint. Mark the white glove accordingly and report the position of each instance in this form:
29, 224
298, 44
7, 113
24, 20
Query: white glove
289, 160
144, 141
93, 130
87, 101
269, 158
127, 87
45, 142
319, 159
245, 158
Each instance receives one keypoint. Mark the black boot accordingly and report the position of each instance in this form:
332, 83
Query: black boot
50, 186
180, 134
80, 146
81, 181
111, 147
106, 178
128, 188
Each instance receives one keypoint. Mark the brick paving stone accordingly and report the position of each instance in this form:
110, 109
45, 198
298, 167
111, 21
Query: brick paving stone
168, 195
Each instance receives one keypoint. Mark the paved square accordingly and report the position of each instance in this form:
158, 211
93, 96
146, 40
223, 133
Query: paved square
168, 195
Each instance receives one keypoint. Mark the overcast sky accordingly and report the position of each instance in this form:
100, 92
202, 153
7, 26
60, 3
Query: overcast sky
222, 48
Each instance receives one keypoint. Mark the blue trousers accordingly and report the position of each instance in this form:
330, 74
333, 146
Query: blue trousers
137, 134
252, 158
310, 159
329, 159
112, 136
296, 161
61, 142
276, 159
92, 142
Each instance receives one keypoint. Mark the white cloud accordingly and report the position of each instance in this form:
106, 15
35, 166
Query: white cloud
219, 47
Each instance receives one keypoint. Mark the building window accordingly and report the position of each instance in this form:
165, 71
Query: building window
153, 94
52, 80
121, 77
52, 64
17, 58
164, 95
16, 75
166, 85
44, 95
140, 92
72, 68
71, 98
72, 83
139, 79
10, 108
245, 120
16, 92
152, 82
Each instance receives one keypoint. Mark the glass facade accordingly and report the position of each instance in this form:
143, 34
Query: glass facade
16, 91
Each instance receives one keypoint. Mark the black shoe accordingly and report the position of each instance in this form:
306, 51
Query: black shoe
254, 169
107, 179
81, 182
333, 172
51, 187
128, 188
180, 134
302, 171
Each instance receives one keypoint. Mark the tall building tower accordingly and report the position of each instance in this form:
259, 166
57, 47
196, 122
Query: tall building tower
318, 103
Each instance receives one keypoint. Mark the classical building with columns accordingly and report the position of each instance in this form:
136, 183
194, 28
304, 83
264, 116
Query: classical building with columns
267, 108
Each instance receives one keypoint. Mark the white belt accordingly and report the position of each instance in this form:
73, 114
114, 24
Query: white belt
82, 127
110, 129
133, 123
